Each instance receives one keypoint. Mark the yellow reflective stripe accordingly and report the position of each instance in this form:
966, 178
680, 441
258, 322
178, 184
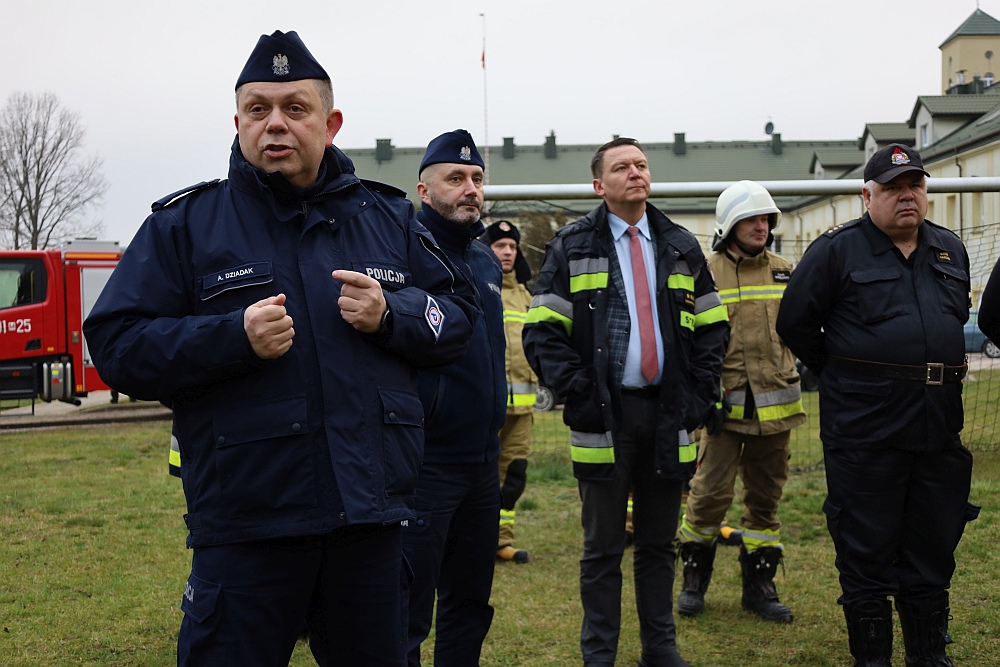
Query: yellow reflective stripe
519, 400
711, 316
507, 517
730, 295
687, 453
514, 316
772, 412
592, 454
545, 314
680, 281
751, 293
175, 452
757, 539
688, 320
761, 291
691, 533
588, 281
737, 412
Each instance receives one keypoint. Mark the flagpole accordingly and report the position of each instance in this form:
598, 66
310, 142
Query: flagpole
486, 121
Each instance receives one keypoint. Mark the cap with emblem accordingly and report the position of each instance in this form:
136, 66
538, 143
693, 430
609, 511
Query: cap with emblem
281, 56
889, 162
503, 229
456, 147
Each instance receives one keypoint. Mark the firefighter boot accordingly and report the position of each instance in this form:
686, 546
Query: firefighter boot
925, 630
759, 594
869, 632
510, 554
698, 559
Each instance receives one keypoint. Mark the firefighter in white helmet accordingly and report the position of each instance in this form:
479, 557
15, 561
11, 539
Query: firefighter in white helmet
761, 384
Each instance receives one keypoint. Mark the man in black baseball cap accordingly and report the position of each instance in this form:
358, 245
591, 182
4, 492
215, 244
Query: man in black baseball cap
889, 162
895, 193
876, 306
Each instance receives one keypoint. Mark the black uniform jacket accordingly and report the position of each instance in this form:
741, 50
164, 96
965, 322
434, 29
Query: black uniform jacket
853, 295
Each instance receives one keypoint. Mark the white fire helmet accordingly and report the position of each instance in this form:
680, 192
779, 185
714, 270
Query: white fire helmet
741, 200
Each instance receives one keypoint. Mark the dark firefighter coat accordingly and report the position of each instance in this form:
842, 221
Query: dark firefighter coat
854, 296
567, 334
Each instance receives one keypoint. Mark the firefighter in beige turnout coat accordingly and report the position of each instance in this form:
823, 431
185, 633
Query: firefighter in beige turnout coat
515, 436
763, 389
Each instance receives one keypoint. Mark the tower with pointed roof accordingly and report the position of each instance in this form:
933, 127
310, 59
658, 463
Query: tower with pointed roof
970, 57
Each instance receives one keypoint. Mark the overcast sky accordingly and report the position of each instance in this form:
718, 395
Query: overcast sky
153, 82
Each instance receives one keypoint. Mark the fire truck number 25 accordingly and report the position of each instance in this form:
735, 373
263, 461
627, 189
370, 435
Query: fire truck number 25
16, 326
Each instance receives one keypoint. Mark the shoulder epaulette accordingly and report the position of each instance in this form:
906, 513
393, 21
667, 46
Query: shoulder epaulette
171, 198
383, 188
943, 229
836, 229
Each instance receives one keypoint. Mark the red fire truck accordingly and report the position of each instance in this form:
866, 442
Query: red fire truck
44, 297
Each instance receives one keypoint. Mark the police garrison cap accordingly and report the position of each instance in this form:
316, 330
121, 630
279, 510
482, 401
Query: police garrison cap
456, 147
281, 56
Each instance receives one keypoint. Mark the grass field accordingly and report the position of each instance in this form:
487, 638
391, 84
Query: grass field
92, 565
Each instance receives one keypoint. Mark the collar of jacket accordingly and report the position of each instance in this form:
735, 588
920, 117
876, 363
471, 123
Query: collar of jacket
880, 242
760, 257
663, 229
336, 174
450, 235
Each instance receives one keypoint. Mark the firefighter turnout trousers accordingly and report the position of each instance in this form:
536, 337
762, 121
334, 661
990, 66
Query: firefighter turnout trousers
762, 462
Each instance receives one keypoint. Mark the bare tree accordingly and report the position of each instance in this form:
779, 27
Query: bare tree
47, 183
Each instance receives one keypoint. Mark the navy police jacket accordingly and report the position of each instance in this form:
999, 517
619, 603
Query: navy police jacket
465, 402
853, 295
328, 434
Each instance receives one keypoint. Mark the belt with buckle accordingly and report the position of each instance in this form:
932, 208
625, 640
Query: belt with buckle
649, 391
932, 374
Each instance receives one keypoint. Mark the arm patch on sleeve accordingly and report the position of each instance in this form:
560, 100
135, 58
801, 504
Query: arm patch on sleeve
434, 316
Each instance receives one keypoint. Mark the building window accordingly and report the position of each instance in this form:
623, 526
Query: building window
924, 135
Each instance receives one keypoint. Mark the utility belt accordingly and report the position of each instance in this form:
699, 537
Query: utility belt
931, 374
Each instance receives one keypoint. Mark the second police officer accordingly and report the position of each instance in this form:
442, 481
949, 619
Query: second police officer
452, 544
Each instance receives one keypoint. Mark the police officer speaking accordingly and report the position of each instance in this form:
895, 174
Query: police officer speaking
281, 313
876, 306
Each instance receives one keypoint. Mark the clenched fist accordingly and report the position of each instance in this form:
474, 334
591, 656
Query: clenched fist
269, 327
361, 301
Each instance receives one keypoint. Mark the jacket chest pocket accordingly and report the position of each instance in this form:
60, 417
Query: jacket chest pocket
264, 457
952, 287
879, 293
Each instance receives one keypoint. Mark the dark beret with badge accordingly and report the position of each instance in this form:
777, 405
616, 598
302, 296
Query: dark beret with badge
503, 229
889, 162
281, 56
456, 147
